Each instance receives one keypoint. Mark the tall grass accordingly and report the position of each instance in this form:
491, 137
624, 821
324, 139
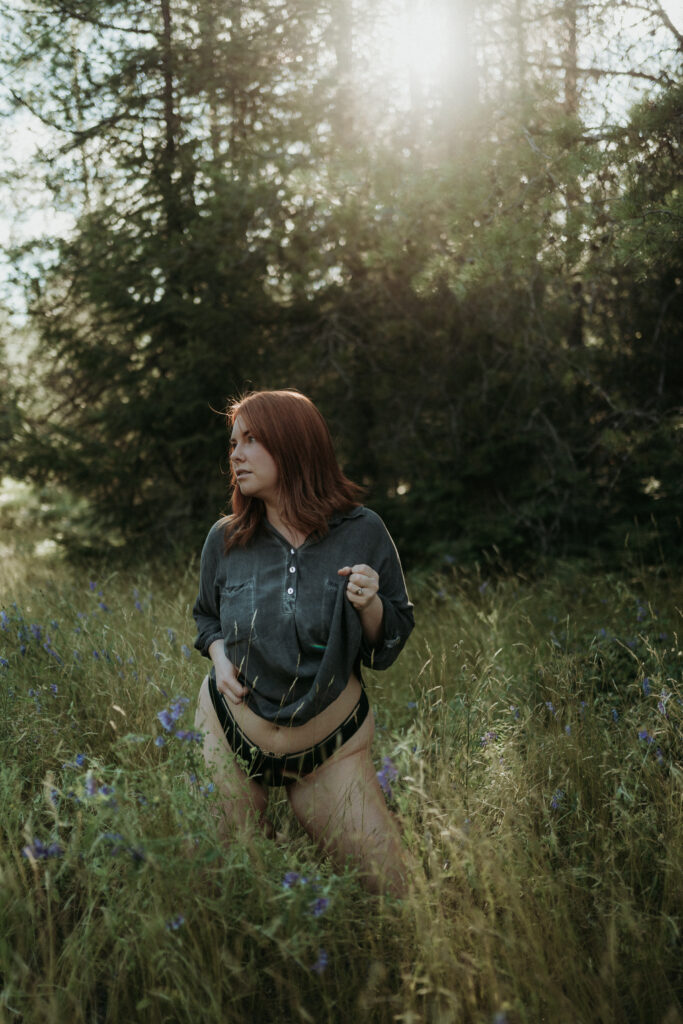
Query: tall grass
533, 738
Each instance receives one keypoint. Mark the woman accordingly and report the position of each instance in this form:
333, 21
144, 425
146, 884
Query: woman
298, 587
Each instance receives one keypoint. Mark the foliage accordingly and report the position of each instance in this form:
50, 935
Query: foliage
529, 741
479, 281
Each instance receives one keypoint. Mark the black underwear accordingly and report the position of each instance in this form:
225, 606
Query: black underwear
277, 770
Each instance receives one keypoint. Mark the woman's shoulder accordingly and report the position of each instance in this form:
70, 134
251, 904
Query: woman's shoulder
362, 518
215, 538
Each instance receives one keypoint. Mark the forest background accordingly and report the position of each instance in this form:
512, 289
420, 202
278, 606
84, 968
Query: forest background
456, 226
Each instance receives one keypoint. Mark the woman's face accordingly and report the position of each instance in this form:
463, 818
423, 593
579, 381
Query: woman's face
254, 467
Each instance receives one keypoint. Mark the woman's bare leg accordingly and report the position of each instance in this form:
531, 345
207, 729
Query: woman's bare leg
342, 807
243, 801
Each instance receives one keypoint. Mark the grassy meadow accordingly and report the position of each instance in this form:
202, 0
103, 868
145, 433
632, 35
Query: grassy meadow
530, 741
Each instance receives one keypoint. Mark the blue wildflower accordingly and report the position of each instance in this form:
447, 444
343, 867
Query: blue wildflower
103, 606
160, 742
644, 735
189, 735
321, 963
514, 710
387, 774
568, 729
166, 719
92, 585
4, 663
138, 606
646, 686
412, 704
37, 850
615, 715
175, 923
4, 620
551, 707
557, 798
186, 651
319, 906
290, 879
90, 785
170, 633
37, 631
80, 760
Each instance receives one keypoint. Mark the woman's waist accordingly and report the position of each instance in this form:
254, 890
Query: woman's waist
287, 739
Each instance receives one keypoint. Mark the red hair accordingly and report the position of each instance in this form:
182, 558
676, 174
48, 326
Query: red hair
311, 485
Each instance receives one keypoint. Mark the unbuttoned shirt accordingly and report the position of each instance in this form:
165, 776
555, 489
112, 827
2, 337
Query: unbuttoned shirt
284, 617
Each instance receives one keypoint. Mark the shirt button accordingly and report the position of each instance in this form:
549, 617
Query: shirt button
291, 551
292, 569
290, 590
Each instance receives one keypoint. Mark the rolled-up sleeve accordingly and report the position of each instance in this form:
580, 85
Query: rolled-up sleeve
206, 610
398, 621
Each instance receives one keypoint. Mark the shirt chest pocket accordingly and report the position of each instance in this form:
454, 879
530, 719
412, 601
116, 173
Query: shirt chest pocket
238, 612
319, 615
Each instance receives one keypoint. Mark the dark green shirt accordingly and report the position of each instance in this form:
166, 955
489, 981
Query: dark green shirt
284, 617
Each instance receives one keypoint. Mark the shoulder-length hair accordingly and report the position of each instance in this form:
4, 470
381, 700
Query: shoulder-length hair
311, 485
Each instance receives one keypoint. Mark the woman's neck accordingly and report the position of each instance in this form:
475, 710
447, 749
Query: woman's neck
290, 533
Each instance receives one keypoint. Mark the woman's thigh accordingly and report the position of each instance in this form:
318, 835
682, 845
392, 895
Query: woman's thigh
242, 798
342, 807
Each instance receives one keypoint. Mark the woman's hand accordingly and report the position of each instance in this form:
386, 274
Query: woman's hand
362, 591
227, 681
362, 585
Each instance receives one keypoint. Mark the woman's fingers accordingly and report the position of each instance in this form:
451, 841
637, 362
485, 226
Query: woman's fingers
362, 584
231, 688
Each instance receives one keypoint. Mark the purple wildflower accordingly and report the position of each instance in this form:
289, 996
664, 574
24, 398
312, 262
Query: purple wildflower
660, 757
189, 735
646, 686
551, 707
138, 606
321, 963
4, 663
166, 719
103, 606
489, 737
387, 774
37, 850
36, 630
80, 760
291, 879
661, 703
160, 741
53, 688
4, 620
174, 924
92, 585
644, 735
557, 798
319, 906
